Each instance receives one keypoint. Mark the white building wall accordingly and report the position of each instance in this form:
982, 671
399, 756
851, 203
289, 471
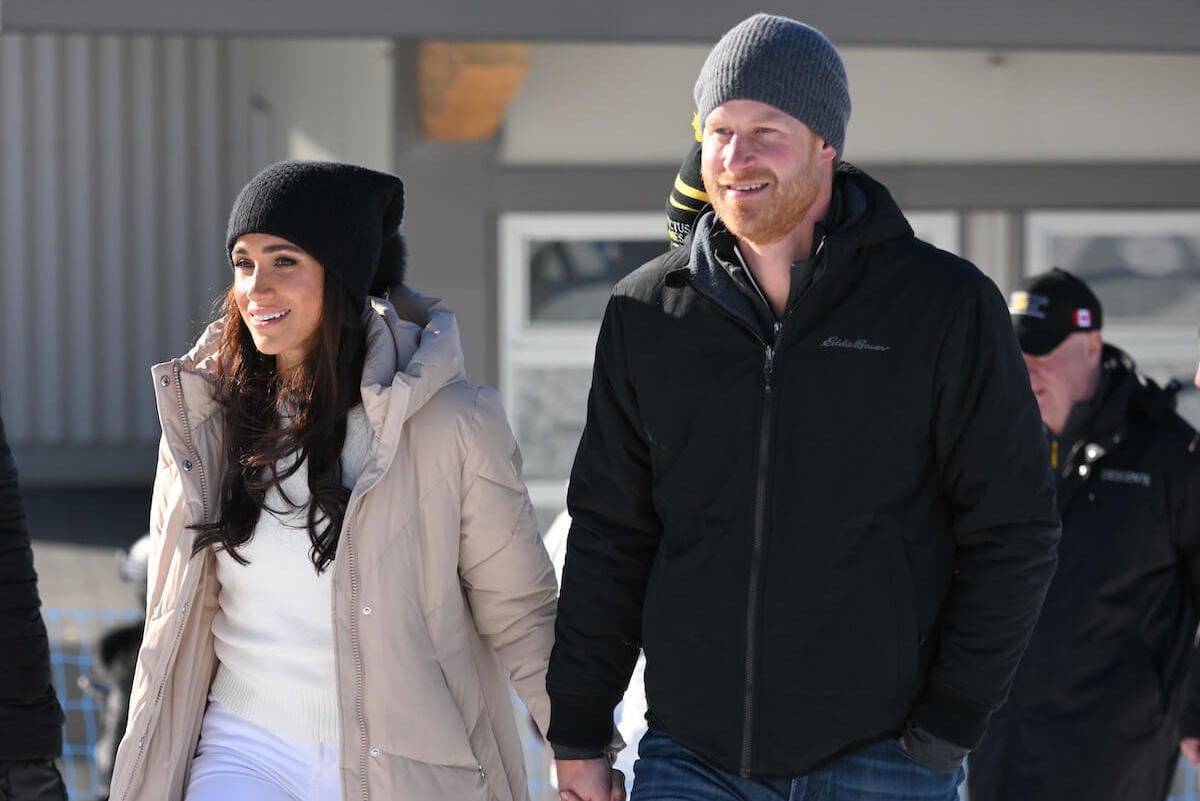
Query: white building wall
632, 104
326, 98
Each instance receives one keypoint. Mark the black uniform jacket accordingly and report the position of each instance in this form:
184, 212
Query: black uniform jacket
1095, 710
817, 529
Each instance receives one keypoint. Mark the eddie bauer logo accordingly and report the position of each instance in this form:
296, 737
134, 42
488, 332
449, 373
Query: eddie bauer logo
853, 344
1126, 477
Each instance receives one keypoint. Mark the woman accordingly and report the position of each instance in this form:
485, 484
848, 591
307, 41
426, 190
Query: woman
345, 568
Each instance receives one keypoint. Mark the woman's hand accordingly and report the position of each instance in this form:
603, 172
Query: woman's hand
589, 780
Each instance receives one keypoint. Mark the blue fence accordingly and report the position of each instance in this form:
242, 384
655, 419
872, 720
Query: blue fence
74, 632
73, 635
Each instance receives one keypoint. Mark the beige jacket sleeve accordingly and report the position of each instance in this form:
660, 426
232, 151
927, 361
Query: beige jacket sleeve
502, 563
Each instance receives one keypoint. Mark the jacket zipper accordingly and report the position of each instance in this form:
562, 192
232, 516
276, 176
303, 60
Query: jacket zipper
187, 440
355, 649
760, 499
186, 609
756, 556
769, 350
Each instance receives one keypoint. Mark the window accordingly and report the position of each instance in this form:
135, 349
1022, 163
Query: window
938, 228
556, 273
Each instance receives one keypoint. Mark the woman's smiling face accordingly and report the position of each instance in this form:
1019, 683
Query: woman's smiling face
279, 290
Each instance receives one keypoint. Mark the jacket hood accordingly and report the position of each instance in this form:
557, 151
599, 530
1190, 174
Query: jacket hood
1129, 391
413, 350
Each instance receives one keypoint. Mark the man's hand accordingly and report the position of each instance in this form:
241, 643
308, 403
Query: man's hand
589, 780
1190, 746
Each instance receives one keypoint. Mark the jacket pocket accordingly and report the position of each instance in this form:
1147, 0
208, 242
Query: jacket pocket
400, 778
411, 708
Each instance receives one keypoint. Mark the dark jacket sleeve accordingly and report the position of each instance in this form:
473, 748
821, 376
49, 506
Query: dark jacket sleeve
994, 469
30, 717
611, 545
1184, 488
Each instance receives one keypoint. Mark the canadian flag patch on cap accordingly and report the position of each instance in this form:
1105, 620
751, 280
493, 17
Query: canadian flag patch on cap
1083, 318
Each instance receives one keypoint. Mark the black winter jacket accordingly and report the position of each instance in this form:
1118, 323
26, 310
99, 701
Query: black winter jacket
818, 531
30, 717
1094, 713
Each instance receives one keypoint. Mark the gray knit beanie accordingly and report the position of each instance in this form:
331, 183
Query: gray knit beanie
784, 63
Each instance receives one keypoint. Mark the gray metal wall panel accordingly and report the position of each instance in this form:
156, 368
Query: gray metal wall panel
113, 392
119, 157
14, 238
45, 316
82, 413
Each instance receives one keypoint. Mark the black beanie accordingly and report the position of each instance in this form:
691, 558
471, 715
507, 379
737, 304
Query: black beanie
344, 216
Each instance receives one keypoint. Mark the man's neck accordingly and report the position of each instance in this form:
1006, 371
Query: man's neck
1083, 407
771, 263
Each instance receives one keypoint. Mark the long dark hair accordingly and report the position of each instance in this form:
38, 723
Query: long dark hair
316, 397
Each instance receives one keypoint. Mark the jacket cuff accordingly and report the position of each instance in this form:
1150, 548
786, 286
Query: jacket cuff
932, 751
566, 752
579, 723
1189, 724
952, 717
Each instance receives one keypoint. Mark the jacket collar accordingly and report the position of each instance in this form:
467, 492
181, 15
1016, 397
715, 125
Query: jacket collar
862, 214
413, 350
1122, 393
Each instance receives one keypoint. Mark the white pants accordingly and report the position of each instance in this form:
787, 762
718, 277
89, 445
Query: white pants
237, 760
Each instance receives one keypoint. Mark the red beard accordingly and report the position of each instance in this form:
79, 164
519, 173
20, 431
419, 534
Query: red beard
771, 213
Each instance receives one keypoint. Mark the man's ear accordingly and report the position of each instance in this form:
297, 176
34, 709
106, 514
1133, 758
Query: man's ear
827, 153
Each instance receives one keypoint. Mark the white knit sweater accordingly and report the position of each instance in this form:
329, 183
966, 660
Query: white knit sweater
274, 628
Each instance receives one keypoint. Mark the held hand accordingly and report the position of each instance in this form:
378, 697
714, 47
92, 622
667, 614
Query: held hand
589, 780
617, 793
1190, 746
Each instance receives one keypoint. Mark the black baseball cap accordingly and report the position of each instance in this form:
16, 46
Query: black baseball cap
1048, 308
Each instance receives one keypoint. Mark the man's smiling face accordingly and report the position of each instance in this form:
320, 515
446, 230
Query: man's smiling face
762, 169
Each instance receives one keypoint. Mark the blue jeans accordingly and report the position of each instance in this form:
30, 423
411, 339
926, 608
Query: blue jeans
666, 771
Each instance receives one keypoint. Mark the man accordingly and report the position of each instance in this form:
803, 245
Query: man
812, 484
30, 717
1094, 713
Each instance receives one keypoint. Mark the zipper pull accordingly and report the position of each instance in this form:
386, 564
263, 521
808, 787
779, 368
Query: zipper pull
769, 364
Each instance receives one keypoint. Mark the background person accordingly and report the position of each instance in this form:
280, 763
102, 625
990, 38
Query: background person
1095, 711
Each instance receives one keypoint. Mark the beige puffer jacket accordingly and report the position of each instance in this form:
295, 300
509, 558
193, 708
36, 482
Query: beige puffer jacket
442, 588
